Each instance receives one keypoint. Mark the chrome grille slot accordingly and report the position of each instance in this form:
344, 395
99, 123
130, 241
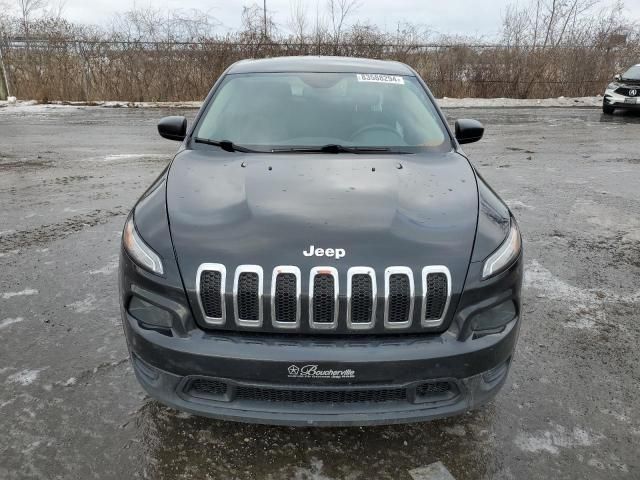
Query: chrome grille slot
285, 297
247, 295
361, 298
210, 288
323, 298
399, 292
436, 291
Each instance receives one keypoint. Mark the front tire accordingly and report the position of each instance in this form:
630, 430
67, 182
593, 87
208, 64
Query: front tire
607, 109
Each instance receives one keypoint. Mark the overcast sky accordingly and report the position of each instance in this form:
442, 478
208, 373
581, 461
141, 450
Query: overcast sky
442, 16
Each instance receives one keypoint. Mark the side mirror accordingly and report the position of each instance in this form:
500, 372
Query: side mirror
173, 128
468, 131
617, 77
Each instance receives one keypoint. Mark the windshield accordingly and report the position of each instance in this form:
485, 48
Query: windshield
285, 110
633, 73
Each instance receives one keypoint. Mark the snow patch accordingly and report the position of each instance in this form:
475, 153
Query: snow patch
516, 204
594, 102
457, 430
619, 416
10, 321
435, 471
70, 382
553, 440
585, 304
26, 291
106, 270
24, 377
34, 107
313, 473
129, 156
84, 306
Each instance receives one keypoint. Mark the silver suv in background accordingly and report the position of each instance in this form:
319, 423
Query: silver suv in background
623, 92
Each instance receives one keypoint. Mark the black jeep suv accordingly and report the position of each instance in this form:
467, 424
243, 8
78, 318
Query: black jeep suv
320, 251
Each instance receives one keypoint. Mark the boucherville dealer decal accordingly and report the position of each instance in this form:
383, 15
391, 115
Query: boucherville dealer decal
380, 78
314, 371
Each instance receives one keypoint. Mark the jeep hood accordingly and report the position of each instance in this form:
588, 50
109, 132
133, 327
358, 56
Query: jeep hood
265, 209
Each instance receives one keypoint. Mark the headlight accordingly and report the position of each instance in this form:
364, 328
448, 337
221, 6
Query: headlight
505, 254
613, 86
139, 251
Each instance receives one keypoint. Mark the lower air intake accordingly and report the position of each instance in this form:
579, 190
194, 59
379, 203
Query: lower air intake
221, 391
207, 389
321, 396
434, 388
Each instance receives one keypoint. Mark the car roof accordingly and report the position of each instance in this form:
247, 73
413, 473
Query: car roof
320, 64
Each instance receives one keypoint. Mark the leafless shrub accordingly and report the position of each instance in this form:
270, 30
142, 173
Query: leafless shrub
548, 48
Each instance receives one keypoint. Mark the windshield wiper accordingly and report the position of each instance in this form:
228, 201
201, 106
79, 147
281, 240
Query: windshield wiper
226, 145
331, 148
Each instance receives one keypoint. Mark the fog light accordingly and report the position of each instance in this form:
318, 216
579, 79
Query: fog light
150, 373
148, 314
495, 318
496, 373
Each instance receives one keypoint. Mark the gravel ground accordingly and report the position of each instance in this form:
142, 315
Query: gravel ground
70, 406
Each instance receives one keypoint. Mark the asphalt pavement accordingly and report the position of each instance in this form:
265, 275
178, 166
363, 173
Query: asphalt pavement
70, 407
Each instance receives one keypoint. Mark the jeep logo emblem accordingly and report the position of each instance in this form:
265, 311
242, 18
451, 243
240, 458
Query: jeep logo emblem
336, 253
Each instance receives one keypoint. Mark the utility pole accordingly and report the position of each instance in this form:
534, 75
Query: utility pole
264, 11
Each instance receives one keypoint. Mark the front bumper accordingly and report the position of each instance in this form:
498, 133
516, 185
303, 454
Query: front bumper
248, 378
616, 100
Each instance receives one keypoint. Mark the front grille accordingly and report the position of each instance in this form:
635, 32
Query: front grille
625, 91
321, 396
211, 293
399, 298
361, 307
326, 307
286, 297
324, 301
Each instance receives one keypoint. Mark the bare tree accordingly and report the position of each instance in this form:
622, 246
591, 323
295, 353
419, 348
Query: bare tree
27, 9
338, 11
546, 23
298, 21
56, 9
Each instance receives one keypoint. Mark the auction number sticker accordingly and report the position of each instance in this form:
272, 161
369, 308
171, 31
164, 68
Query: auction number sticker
380, 78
